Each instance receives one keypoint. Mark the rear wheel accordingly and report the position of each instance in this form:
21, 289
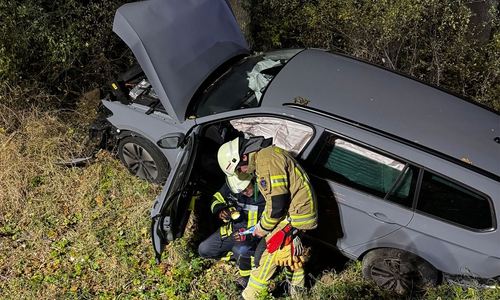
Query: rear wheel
398, 270
143, 159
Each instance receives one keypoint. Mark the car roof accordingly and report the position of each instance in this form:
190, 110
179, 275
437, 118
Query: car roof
392, 104
179, 44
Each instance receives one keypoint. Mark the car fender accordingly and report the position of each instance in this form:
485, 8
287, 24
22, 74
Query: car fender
133, 119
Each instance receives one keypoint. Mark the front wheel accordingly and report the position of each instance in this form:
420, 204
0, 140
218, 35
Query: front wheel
398, 270
143, 159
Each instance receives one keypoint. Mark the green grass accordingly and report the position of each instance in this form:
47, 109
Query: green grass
83, 232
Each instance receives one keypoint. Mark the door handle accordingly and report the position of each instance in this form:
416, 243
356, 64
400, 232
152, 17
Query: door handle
381, 217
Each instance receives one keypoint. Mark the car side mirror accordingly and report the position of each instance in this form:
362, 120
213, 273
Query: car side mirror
171, 141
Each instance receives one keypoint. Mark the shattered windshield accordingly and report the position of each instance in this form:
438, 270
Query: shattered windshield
242, 85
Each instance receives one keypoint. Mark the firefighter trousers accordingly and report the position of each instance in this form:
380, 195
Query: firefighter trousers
227, 249
259, 277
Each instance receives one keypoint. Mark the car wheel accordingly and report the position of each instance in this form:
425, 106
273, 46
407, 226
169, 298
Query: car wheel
143, 159
398, 270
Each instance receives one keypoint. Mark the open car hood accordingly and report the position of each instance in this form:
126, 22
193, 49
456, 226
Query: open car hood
178, 43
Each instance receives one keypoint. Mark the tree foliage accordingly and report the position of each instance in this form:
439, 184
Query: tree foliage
64, 48
61, 47
432, 40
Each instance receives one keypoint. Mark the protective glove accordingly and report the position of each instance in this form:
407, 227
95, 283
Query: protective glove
277, 239
300, 260
238, 237
283, 256
297, 247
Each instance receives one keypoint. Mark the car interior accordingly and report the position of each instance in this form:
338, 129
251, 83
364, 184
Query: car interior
207, 174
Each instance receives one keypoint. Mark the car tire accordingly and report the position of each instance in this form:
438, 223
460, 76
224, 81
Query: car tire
398, 270
143, 159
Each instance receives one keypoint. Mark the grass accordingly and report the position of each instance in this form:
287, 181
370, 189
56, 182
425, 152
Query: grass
83, 232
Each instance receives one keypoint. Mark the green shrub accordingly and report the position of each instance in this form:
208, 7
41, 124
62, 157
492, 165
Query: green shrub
432, 40
62, 47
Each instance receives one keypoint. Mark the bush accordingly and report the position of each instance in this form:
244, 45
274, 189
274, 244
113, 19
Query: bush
432, 40
63, 48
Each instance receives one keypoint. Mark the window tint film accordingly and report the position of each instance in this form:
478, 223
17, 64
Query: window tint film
357, 167
449, 201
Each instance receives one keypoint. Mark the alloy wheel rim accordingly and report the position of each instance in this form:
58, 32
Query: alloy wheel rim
393, 274
139, 161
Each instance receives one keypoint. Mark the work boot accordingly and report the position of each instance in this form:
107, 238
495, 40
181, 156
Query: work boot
241, 283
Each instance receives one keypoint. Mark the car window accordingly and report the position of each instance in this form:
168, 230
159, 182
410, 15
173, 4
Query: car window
243, 84
361, 168
288, 135
444, 199
233, 91
400, 193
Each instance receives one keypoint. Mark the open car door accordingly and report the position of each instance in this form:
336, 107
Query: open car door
170, 211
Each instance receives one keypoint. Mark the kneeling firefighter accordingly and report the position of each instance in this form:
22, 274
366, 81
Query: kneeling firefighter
239, 205
291, 206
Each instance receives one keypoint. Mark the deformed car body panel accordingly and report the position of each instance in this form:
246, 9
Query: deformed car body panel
132, 119
179, 44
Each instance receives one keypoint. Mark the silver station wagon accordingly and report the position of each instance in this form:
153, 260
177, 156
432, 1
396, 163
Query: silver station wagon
407, 175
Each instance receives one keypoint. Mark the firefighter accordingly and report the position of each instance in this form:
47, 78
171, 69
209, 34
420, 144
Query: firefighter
291, 207
239, 205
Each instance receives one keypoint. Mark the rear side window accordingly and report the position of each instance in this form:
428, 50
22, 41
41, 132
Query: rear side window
446, 200
363, 169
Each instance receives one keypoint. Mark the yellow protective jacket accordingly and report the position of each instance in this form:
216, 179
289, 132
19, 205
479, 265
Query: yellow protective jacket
286, 187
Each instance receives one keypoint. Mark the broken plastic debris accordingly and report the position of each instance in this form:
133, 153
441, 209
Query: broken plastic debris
74, 162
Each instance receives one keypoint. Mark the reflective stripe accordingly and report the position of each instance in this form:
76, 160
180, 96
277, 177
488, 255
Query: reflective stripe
248, 207
252, 218
298, 275
312, 216
279, 180
256, 285
226, 230
227, 257
278, 150
267, 223
245, 273
300, 220
303, 220
305, 180
260, 282
218, 200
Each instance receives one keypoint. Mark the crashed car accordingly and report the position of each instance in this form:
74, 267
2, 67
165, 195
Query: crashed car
407, 175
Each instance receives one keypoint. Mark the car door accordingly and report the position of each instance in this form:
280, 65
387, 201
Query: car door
171, 209
372, 193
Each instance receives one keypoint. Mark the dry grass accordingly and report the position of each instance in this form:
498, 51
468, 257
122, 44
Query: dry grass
57, 222
83, 232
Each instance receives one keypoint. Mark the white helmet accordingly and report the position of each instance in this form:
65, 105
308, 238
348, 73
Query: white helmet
238, 183
229, 157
